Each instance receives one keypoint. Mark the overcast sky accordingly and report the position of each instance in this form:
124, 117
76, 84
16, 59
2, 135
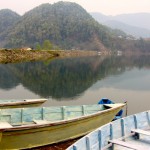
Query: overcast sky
107, 7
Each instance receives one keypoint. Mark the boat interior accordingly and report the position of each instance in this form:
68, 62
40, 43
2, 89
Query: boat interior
41, 115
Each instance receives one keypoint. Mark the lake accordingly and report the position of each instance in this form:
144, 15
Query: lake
75, 81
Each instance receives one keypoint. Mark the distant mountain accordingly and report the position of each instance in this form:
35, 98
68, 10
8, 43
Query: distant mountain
100, 17
132, 30
131, 24
141, 20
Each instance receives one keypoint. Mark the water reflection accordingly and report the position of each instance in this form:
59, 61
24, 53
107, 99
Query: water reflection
59, 79
70, 78
8, 79
135, 79
75, 81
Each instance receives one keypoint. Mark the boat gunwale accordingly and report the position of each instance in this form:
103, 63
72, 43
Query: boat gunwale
48, 123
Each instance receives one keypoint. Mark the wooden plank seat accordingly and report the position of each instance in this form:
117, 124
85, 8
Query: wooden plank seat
134, 132
125, 144
137, 133
4, 125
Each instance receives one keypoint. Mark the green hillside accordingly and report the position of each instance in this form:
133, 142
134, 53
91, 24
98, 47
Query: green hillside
65, 24
8, 19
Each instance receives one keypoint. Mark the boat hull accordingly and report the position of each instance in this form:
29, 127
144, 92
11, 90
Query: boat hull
21, 103
40, 135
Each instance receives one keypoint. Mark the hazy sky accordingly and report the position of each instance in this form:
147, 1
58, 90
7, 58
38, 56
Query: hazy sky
107, 7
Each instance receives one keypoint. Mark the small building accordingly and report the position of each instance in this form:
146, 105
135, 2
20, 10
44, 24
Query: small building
26, 48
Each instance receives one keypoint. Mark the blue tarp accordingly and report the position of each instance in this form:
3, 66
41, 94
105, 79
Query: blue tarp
108, 101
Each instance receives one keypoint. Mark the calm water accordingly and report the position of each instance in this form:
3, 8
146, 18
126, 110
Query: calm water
75, 81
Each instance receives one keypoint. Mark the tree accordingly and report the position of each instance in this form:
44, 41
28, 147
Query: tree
38, 46
47, 45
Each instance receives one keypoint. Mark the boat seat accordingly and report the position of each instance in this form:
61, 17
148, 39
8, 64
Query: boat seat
139, 131
125, 144
40, 121
4, 125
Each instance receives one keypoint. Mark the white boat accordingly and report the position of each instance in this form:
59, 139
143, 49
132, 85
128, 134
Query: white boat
131, 132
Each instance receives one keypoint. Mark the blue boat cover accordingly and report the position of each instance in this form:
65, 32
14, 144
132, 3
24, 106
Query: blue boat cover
108, 101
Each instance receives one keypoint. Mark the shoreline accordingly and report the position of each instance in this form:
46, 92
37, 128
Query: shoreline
17, 56
12, 56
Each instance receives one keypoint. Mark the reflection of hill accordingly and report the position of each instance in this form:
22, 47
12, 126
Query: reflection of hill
8, 79
66, 78
60, 78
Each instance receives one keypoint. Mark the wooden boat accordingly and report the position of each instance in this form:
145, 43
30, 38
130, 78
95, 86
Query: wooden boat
22, 128
20, 103
132, 132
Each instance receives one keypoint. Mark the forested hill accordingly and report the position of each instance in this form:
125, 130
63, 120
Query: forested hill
7, 19
65, 24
